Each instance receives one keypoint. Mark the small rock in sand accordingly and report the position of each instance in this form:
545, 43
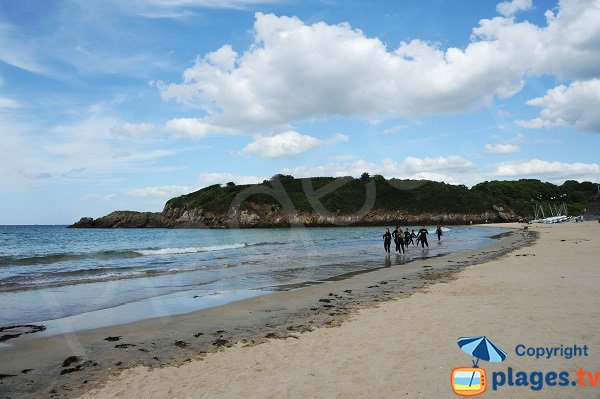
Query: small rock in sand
70, 360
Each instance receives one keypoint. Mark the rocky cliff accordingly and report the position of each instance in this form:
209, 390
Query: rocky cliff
258, 215
325, 201
123, 219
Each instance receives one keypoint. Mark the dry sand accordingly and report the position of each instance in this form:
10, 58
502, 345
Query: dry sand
543, 295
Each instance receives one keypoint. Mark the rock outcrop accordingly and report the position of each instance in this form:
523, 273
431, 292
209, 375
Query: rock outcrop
326, 201
123, 219
262, 215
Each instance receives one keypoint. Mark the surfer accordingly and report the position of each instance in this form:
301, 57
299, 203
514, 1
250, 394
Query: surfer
439, 233
387, 240
423, 237
407, 238
398, 239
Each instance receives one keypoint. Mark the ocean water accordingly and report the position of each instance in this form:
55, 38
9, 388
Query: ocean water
51, 272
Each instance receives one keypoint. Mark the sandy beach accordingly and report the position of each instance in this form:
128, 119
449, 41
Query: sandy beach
544, 295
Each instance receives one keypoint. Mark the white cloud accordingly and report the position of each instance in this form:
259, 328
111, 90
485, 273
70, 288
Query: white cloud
502, 148
555, 171
297, 72
141, 155
518, 138
509, 8
504, 114
209, 3
394, 129
194, 128
128, 129
287, 144
566, 47
85, 149
9, 103
160, 191
427, 164
575, 105
207, 179
18, 52
341, 158
176, 9
451, 169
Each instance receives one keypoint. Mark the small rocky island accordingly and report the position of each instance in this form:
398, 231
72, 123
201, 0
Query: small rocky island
285, 201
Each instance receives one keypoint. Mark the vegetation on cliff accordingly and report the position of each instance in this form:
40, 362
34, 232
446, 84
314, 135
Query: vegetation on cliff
410, 196
520, 195
326, 201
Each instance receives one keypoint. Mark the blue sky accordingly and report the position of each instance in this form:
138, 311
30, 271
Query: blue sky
110, 105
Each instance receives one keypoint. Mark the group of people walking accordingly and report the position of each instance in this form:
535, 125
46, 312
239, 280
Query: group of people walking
403, 239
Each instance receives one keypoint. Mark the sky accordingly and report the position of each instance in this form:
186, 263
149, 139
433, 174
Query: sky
111, 105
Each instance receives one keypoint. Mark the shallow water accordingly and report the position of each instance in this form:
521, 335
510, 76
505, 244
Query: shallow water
50, 272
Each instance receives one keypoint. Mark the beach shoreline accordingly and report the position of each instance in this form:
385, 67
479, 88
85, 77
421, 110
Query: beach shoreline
180, 339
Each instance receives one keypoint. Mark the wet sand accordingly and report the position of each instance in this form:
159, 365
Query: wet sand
71, 364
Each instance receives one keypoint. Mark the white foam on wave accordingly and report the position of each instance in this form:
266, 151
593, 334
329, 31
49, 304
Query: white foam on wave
190, 250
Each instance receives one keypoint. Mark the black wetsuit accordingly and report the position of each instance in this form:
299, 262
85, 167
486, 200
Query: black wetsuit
387, 240
439, 233
423, 237
399, 240
407, 238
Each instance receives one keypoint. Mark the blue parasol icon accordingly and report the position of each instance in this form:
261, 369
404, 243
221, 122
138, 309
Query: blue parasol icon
481, 348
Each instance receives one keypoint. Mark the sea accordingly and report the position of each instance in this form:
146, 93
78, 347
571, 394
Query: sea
75, 279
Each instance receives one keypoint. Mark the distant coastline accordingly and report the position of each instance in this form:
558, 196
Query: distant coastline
285, 201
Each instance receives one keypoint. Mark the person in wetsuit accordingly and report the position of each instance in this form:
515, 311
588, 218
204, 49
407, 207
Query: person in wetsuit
439, 233
423, 237
398, 239
387, 240
413, 235
407, 238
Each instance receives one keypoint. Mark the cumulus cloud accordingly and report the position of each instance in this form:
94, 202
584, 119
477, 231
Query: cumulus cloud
575, 105
192, 128
501, 148
509, 8
296, 72
160, 191
287, 144
451, 169
567, 47
207, 179
555, 171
